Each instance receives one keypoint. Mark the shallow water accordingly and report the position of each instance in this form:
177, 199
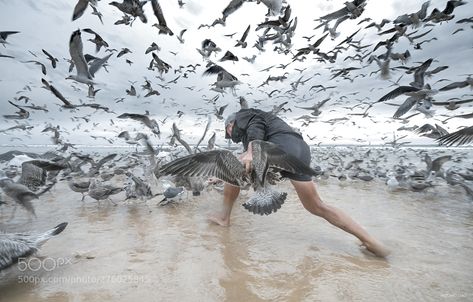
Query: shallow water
137, 250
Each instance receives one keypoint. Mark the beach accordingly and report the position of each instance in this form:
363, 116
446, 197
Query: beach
113, 252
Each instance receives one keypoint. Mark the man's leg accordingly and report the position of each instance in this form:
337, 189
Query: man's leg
311, 201
230, 194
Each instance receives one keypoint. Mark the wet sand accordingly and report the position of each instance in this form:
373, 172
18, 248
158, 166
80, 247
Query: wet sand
133, 250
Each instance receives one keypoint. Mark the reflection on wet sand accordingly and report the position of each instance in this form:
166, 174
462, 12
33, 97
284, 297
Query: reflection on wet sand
142, 250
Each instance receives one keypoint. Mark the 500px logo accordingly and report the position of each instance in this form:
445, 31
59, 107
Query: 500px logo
35, 264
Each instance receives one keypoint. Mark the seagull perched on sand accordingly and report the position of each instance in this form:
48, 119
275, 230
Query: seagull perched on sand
100, 192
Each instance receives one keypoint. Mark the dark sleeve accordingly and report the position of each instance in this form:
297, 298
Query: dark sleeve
256, 128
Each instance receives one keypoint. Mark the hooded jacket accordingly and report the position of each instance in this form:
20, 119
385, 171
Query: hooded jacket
252, 124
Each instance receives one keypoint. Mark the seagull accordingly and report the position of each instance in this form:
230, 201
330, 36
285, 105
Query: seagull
132, 7
179, 37
18, 246
162, 26
224, 165
97, 40
229, 56
43, 67
242, 42
100, 192
316, 107
170, 193
150, 123
19, 193
76, 186
123, 52
22, 114
224, 78
462, 84
417, 91
152, 47
85, 73
137, 188
430, 131
219, 112
250, 60
51, 58
97, 13
353, 9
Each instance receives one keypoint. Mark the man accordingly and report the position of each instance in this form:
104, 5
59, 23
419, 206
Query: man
247, 125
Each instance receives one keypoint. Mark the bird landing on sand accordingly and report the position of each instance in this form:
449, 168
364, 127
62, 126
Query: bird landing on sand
226, 166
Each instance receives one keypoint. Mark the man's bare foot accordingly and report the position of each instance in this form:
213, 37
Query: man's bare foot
376, 248
220, 221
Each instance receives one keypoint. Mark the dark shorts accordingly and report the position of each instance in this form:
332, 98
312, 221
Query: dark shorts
297, 147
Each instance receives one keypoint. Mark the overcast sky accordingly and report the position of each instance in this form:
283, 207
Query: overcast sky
47, 25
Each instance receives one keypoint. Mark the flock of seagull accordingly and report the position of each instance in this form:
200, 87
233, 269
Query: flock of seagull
39, 173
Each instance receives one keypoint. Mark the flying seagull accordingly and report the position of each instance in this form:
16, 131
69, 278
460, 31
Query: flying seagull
242, 41
162, 26
224, 165
85, 73
150, 123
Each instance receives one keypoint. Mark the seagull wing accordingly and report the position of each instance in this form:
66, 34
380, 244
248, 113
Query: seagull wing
420, 72
79, 9
335, 15
232, 7
97, 63
425, 128
219, 163
56, 93
454, 85
245, 34
397, 92
405, 107
75, 50
439, 161
461, 137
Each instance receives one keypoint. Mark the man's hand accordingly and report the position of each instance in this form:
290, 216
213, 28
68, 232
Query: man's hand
247, 159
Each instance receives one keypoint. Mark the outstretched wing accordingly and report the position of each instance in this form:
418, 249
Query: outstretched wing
11, 250
219, 163
397, 92
460, 137
232, 7
405, 107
